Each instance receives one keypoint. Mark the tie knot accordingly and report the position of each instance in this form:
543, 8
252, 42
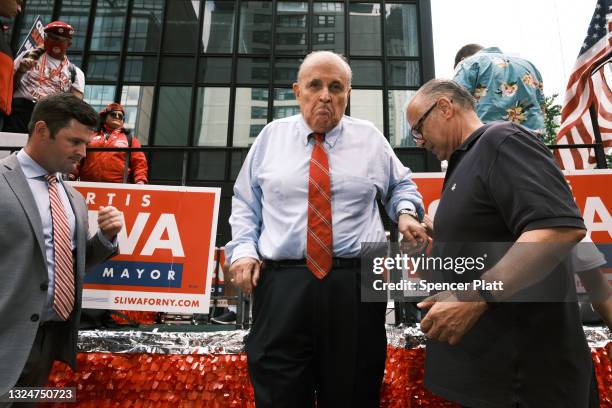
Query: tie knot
51, 178
319, 137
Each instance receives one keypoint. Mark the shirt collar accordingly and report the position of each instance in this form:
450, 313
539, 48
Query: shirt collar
467, 143
331, 137
31, 169
492, 50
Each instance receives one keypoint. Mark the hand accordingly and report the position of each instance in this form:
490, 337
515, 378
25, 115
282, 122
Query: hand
109, 222
412, 230
244, 273
26, 64
448, 320
428, 224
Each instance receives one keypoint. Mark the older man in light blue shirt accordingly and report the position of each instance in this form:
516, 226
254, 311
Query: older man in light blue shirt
311, 333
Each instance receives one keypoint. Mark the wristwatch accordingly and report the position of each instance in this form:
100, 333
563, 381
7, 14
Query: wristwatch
488, 297
412, 213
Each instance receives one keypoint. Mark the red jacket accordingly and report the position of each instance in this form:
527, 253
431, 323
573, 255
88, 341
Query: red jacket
108, 166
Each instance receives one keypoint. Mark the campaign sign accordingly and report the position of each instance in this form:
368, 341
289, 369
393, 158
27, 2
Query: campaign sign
166, 248
35, 37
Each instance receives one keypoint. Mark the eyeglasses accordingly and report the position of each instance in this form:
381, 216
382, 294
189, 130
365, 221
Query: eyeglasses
415, 131
116, 115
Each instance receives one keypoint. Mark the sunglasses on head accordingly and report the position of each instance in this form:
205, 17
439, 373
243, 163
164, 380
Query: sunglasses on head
116, 114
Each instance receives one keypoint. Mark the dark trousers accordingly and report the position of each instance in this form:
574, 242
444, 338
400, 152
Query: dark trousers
20, 116
40, 361
315, 339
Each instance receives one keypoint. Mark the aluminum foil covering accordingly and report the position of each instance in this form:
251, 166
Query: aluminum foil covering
597, 336
107, 341
232, 342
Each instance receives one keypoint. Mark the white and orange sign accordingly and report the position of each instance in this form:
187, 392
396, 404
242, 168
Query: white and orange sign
166, 248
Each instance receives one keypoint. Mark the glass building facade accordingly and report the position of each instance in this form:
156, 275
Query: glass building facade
211, 74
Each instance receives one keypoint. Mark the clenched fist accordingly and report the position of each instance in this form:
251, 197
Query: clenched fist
109, 222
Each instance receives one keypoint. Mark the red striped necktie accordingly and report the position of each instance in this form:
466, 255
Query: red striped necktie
319, 238
63, 302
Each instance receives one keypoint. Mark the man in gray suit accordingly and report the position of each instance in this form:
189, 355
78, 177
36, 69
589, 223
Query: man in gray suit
45, 243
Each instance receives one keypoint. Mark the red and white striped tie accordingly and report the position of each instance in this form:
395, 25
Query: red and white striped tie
63, 302
319, 239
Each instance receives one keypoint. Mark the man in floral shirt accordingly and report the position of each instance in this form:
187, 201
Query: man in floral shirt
505, 87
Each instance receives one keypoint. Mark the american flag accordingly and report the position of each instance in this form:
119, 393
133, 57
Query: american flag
589, 85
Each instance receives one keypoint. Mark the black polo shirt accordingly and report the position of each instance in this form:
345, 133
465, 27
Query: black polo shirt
502, 181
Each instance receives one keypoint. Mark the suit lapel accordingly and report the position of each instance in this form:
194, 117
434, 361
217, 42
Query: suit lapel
19, 184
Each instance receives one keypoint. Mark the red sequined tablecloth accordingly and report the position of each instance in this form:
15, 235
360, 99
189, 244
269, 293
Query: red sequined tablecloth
221, 380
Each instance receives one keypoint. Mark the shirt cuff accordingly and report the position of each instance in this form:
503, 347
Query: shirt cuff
106, 242
404, 205
243, 251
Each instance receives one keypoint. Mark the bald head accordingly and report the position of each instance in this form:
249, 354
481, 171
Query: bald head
317, 57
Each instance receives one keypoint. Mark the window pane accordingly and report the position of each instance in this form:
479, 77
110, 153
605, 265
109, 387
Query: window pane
367, 104
33, 8
168, 166
76, 59
181, 30
215, 70
328, 27
366, 73
403, 73
291, 27
145, 26
253, 70
218, 30
285, 70
207, 166
98, 96
138, 102
177, 69
255, 27
140, 69
212, 113
365, 29
172, 123
102, 67
108, 25
247, 127
284, 103
399, 131
402, 30
76, 13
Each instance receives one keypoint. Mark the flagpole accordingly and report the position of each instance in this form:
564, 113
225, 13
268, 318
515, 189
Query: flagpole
600, 157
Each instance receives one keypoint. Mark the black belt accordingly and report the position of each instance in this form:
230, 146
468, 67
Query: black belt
293, 263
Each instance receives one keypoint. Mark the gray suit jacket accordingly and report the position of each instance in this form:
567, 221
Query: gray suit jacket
23, 273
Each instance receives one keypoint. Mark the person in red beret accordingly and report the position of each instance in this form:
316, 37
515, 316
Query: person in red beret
110, 167
41, 72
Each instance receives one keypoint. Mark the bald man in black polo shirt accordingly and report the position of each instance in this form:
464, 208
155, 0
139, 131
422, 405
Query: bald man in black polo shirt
502, 185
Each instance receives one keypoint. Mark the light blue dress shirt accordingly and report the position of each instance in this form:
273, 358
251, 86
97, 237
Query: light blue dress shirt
269, 207
34, 173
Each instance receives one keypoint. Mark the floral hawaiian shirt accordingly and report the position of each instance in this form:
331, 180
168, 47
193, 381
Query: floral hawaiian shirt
505, 87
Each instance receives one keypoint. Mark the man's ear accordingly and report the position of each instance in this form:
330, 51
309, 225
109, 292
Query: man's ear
296, 90
445, 105
41, 130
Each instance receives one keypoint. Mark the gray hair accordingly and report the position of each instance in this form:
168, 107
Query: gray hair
338, 57
437, 88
